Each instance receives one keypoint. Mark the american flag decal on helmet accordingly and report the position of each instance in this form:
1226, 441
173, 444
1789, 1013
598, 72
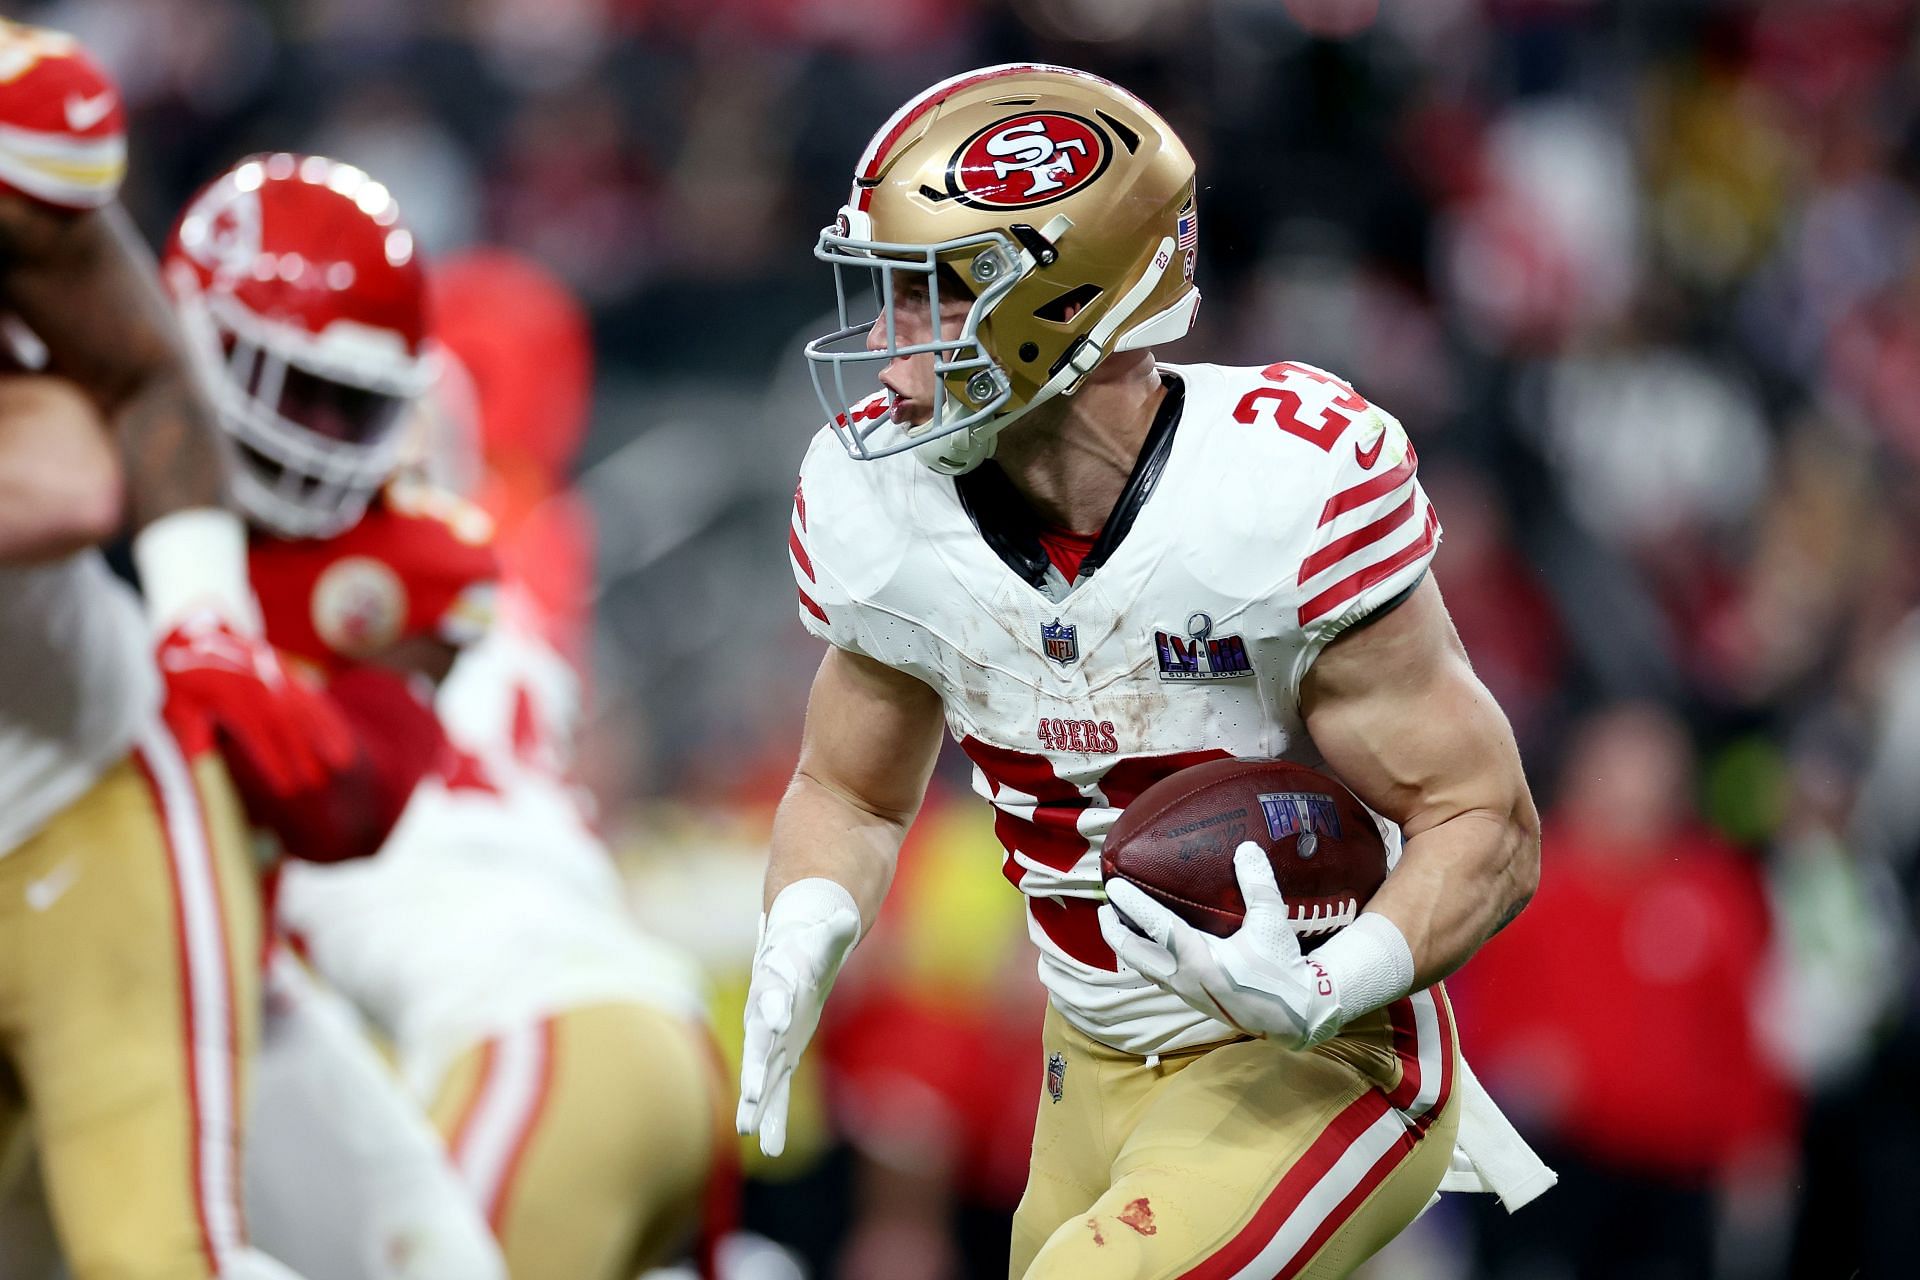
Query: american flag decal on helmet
1187, 228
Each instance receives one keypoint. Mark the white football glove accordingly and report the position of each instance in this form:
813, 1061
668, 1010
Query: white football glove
804, 937
1257, 981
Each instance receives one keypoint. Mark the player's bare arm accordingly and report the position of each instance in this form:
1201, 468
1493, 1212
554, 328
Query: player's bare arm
85, 284
60, 488
1399, 715
871, 738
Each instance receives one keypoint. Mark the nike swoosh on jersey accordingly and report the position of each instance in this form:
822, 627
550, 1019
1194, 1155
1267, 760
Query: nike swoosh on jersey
1367, 457
84, 113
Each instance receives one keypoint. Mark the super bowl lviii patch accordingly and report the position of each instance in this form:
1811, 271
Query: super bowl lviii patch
1199, 654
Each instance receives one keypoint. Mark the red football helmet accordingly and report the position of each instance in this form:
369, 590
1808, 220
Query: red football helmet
304, 299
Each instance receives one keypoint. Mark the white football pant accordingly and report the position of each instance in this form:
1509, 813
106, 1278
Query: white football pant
346, 1179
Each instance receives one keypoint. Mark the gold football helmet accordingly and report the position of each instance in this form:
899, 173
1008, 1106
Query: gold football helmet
1059, 202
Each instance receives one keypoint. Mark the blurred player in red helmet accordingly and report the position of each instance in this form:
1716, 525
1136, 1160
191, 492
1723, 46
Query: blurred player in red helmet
128, 983
304, 300
304, 296
563, 1052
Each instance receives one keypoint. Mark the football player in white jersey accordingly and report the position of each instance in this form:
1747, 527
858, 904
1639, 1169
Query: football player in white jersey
129, 920
1096, 570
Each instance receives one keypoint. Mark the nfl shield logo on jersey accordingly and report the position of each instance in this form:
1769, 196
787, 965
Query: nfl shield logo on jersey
1310, 815
1062, 644
1056, 1075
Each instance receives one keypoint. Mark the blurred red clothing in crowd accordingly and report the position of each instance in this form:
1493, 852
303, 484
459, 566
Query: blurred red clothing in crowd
1616, 1017
932, 1040
1502, 611
507, 422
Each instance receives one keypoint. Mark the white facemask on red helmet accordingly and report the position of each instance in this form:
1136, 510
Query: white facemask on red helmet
303, 297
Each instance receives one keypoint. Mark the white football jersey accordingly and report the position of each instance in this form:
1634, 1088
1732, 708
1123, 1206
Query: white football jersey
494, 900
80, 680
1285, 510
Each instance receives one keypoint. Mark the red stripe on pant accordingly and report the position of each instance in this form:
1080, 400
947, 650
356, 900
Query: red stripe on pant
497, 1211
1299, 1182
1448, 1049
491, 1139
463, 1127
1343, 1212
168, 775
1403, 1016
1406, 1047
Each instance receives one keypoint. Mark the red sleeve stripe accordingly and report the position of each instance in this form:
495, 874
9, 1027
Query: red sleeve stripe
1340, 548
807, 603
1367, 490
800, 505
1342, 592
800, 556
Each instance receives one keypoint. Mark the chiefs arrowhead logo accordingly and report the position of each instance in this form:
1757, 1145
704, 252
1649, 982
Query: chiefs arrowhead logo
359, 607
1027, 160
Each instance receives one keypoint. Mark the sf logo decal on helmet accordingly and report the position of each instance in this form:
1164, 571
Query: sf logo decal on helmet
1047, 202
1028, 160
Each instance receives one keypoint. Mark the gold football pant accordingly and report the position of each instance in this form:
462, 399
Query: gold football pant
129, 938
589, 1137
1238, 1161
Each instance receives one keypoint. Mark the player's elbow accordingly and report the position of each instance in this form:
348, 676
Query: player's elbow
59, 476
61, 521
86, 498
1520, 875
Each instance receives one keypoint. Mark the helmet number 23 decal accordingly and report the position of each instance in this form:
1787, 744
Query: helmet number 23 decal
1028, 160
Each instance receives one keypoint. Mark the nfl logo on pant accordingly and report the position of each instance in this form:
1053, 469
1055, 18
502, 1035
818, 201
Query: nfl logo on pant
1056, 1075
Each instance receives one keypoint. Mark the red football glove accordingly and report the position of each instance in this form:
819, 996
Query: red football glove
398, 741
281, 738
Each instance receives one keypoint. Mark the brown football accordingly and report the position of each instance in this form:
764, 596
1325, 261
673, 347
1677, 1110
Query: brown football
1176, 843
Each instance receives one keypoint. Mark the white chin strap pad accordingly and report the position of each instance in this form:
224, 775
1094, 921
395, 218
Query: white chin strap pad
960, 453
1168, 326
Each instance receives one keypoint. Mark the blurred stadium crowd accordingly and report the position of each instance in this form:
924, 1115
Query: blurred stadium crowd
1642, 279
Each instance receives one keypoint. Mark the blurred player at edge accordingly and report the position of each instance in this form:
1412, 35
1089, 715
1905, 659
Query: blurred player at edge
1099, 570
304, 298
562, 1051
129, 917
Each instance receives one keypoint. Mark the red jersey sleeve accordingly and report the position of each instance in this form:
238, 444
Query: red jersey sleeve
421, 563
63, 136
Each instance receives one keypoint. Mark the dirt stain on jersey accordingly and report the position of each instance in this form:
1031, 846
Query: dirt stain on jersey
1139, 1215
1093, 1225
